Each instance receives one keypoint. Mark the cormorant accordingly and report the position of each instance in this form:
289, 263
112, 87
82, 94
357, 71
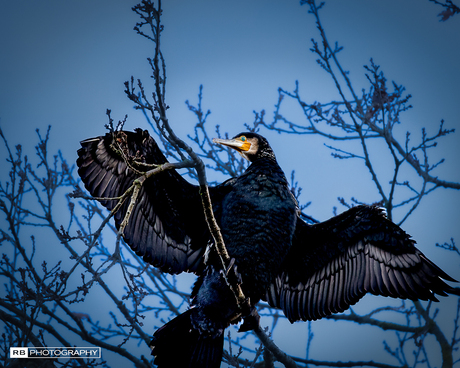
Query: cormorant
308, 271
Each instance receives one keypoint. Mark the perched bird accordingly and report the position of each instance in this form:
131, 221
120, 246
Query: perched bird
308, 271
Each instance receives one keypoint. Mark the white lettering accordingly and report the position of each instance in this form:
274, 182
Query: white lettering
55, 352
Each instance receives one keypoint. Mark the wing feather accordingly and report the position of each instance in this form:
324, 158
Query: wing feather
323, 291
339, 302
167, 225
333, 264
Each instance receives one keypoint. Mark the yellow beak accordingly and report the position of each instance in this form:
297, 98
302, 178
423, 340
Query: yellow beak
236, 144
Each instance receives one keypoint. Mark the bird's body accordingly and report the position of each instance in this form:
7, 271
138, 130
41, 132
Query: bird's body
258, 221
309, 271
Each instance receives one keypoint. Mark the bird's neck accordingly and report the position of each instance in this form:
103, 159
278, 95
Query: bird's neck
265, 165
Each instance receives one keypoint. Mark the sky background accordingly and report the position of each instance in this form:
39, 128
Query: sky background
63, 63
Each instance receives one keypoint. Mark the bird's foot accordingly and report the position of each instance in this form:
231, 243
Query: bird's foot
251, 321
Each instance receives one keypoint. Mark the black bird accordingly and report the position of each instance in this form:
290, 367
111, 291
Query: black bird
308, 271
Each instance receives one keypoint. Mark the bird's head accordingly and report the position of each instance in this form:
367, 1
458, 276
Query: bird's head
251, 146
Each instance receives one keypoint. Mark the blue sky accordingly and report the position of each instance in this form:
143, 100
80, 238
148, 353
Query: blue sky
63, 63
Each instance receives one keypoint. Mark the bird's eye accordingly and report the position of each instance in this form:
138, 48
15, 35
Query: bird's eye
243, 138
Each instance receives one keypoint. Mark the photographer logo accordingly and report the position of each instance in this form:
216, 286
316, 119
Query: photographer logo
55, 352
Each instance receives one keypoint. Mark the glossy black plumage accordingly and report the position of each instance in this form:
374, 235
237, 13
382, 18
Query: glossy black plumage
333, 264
167, 227
309, 271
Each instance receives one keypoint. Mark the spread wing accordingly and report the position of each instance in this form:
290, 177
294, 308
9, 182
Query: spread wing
333, 264
167, 225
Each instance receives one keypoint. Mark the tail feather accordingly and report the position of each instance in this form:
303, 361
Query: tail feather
178, 344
